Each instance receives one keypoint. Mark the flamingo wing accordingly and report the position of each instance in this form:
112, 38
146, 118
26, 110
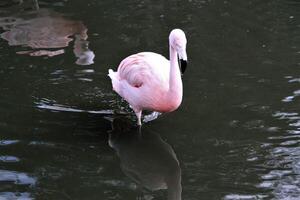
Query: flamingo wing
143, 68
134, 70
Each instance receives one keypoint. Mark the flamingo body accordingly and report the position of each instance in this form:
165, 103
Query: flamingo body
148, 81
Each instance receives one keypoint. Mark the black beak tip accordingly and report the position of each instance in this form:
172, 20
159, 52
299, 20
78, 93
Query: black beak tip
183, 65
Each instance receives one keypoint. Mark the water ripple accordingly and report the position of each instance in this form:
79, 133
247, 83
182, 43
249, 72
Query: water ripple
8, 142
244, 197
15, 196
18, 178
296, 93
282, 162
59, 107
9, 159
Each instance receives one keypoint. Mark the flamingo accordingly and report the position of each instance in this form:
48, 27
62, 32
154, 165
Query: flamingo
148, 81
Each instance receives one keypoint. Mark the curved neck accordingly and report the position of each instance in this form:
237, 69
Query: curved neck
175, 83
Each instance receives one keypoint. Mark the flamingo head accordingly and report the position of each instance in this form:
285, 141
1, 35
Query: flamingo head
178, 42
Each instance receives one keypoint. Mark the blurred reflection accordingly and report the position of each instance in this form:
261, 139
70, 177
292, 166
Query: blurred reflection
35, 3
24, 3
146, 159
46, 33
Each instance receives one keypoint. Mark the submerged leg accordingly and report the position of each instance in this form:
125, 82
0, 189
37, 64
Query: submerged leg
138, 114
36, 4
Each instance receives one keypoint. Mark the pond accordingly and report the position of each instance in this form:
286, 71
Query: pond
64, 134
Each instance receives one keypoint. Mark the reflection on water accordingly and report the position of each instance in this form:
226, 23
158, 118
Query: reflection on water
145, 158
16, 177
296, 93
17, 195
284, 159
34, 2
10, 179
47, 33
6, 158
63, 108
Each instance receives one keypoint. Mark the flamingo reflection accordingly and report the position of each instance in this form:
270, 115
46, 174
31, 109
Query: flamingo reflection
35, 3
145, 158
46, 33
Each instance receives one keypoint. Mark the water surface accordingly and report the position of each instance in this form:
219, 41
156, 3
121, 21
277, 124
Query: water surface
235, 136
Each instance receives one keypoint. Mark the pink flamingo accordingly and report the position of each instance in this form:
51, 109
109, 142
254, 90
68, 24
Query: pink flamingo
148, 81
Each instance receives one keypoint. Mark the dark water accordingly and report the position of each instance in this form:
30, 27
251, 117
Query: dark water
236, 134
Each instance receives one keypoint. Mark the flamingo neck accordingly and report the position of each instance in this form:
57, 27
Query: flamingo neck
175, 83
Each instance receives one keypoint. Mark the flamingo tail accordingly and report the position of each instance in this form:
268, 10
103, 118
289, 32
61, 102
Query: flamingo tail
114, 79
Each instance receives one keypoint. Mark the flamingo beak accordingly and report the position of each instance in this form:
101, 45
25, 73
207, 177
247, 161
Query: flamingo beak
183, 65
183, 60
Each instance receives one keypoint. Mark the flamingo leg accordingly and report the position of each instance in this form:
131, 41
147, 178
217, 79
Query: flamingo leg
138, 114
